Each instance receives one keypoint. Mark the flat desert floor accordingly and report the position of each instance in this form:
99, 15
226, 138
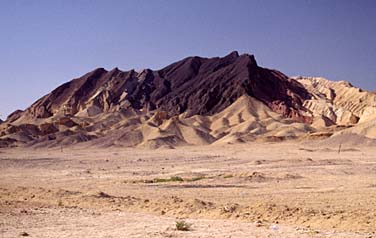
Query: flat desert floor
246, 190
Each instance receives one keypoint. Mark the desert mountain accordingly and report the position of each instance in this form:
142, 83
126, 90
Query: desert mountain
194, 86
340, 102
194, 101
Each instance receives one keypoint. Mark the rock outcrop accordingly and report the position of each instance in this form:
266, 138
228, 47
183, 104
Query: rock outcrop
339, 102
193, 101
194, 86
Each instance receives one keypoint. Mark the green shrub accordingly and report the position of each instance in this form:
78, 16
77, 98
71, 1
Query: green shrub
196, 178
183, 226
171, 179
176, 179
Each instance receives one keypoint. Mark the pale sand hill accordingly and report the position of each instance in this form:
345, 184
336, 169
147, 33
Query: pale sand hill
334, 106
367, 129
361, 134
247, 119
338, 101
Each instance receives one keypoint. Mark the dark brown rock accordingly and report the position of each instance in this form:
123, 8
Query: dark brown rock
14, 115
194, 85
7, 142
66, 121
47, 128
28, 129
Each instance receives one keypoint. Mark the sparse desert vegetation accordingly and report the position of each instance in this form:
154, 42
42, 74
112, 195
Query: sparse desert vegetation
183, 226
183, 119
252, 190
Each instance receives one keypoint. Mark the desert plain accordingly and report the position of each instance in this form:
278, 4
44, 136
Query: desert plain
263, 189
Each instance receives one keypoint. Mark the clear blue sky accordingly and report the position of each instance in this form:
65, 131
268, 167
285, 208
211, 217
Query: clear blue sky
46, 43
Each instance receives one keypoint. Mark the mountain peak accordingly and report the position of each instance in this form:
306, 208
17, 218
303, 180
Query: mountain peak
233, 54
102, 102
195, 85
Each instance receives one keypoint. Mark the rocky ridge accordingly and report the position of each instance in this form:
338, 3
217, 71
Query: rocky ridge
191, 102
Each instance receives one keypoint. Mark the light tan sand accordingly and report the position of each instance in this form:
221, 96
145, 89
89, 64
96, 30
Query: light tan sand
66, 222
287, 189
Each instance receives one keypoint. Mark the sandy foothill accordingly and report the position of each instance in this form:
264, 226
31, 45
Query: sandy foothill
286, 189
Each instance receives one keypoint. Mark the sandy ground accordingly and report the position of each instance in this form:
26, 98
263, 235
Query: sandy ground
245, 190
